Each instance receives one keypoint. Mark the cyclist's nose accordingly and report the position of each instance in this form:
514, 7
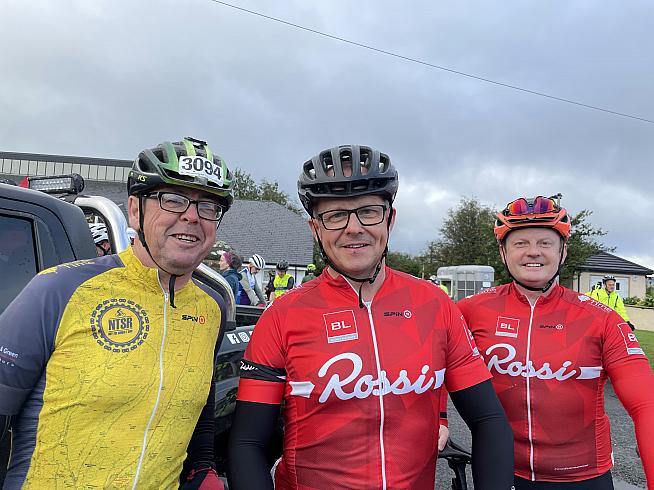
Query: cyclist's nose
354, 225
534, 250
191, 213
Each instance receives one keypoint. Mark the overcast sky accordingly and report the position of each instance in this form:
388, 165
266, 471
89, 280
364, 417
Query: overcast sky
108, 78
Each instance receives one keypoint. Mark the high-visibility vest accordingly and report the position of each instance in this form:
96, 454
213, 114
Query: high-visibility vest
281, 284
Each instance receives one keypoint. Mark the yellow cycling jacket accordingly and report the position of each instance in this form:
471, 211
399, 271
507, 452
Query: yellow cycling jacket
613, 301
105, 379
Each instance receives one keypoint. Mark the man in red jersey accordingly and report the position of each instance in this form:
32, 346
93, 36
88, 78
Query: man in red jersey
550, 351
360, 355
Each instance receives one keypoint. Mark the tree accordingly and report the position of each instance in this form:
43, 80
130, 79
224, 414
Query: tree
404, 262
467, 238
583, 243
246, 188
317, 258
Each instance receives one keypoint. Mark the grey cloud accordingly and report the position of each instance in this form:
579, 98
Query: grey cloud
108, 78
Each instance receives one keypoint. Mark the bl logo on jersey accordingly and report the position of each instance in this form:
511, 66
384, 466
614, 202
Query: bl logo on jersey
630, 340
341, 326
507, 327
119, 325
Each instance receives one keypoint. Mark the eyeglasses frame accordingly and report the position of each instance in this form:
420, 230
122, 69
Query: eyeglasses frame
158, 194
349, 214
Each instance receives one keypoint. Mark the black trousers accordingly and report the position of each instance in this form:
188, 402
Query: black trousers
603, 482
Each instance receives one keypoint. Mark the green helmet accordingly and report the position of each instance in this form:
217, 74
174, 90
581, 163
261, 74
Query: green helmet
187, 163
311, 268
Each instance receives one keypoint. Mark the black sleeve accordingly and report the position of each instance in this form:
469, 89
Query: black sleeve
5, 423
492, 438
200, 448
291, 283
253, 427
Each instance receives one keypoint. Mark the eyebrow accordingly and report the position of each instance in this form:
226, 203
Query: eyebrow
203, 197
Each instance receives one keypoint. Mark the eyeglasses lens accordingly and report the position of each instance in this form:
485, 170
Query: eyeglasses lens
543, 205
521, 207
518, 207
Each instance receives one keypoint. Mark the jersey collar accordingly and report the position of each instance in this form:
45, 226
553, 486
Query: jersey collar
555, 293
145, 278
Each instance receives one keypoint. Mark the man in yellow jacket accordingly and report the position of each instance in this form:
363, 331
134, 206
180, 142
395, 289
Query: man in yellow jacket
283, 281
609, 296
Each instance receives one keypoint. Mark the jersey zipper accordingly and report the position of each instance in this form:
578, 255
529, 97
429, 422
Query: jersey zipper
528, 367
161, 381
381, 397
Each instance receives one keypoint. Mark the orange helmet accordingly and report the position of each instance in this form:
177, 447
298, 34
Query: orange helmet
532, 212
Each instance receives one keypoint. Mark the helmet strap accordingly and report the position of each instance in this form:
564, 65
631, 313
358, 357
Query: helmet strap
549, 283
141, 235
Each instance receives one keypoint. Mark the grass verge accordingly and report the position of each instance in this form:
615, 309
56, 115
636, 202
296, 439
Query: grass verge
646, 339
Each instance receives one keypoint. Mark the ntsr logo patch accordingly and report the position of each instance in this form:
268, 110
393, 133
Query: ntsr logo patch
119, 325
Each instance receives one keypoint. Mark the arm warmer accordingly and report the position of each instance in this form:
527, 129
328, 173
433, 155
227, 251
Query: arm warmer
443, 407
492, 438
253, 427
5, 423
200, 448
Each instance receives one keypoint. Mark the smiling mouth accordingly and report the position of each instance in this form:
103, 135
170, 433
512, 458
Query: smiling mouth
533, 265
186, 238
355, 245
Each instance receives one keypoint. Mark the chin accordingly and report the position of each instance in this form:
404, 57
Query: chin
535, 283
183, 266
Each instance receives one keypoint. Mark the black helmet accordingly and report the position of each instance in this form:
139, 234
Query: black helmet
187, 163
282, 265
347, 171
608, 277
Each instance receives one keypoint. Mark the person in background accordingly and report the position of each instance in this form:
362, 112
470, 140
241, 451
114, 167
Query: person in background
228, 266
101, 238
607, 295
551, 351
311, 273
283, 281
249, 291
270, 286
438, 283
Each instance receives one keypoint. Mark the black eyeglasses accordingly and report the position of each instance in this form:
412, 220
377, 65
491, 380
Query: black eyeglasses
338, 219
176, 203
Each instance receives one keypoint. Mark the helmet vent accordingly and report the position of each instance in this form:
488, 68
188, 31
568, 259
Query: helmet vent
384, 163
160, 154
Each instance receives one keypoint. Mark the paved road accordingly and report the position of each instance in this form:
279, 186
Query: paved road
627, 472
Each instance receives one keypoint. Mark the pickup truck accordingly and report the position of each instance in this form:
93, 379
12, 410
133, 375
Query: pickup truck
38, 231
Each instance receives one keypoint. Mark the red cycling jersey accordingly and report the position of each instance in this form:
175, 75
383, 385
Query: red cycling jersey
361, 386
550, 363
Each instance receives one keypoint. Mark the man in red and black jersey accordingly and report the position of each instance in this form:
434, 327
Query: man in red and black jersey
360, 356
550, 351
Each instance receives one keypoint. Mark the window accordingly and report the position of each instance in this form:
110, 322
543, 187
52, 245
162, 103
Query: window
17, 257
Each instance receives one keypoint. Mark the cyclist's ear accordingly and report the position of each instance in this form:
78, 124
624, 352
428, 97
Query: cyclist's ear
312, 224
502, 250
133, 212
564, 244
391, 219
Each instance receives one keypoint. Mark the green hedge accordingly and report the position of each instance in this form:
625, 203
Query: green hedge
635, 301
